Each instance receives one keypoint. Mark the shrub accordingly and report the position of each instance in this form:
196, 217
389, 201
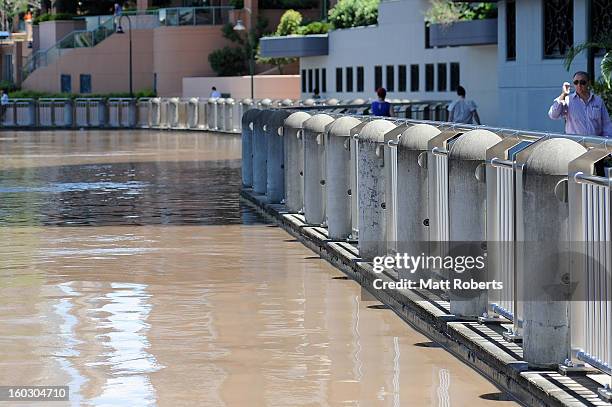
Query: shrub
354, 13
237, 3
448, 12
316, 27
289, 23
228, 61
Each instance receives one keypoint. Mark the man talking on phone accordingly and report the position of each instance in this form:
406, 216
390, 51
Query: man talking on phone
585, 113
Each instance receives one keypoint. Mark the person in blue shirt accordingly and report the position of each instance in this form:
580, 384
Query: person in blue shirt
381, 107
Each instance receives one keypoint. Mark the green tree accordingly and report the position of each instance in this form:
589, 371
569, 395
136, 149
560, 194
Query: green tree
289, 23
354, 13
9, 9
228, 61
603, 85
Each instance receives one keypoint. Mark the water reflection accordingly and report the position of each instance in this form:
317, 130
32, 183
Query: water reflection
159, 288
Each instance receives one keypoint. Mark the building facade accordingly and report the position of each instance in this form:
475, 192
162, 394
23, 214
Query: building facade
513, 79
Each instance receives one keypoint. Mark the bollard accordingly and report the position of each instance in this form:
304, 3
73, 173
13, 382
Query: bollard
338, 177
467, 194
247, 146
410, 199
192, 113
294, 161
314, 171
220, 120
229, 115
260, 151
309, 102
155, 112
275, 188
332, 102
286, 102
173, 113
211, 114
542, 249
371, 188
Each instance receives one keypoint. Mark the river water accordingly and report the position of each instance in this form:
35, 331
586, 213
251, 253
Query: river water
131, 272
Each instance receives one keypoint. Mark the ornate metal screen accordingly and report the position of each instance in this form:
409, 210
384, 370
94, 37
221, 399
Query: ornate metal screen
601, 13
558, 27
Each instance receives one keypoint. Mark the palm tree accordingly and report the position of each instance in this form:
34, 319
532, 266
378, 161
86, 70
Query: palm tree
606, 62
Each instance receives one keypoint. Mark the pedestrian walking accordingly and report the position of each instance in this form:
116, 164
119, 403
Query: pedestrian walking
380, 107
584, 112
462, 110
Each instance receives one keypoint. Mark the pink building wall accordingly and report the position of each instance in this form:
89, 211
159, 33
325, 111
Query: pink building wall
266, 86
170, 52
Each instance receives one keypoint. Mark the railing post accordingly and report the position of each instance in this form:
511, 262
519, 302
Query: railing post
411, 197
248, 120
467, 216
314, 172
260, 152
275, 189
542, 248
294, 159
371, 189
338, 176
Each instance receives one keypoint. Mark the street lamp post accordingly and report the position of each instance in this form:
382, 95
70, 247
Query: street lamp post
120, 31
240, 27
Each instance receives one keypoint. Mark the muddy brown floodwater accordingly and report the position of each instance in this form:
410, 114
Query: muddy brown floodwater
131, 272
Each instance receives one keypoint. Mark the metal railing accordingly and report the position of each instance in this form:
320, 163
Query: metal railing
223, 115
539, 194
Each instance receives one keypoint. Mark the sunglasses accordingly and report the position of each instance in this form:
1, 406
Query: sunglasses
580, 82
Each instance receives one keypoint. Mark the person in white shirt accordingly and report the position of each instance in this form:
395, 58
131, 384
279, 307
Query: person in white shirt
4, 101
215, 93
462, 110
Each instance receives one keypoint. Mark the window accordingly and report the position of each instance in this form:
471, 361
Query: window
360, 79
414, 78
349, 79
66, 83
510, 30
324, 80
304, 90
338, 79
455, 79
317, 84
429, 77
427, 44
85, 84
310, 80
390, 78
442, 78
401, 78
601, 14
377, 77
7, 67
558, 27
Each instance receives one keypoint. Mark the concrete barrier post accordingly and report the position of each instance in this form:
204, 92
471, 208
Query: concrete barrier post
248, 120
542, 249
260, 152
338, 177
371, 189
467, 194
294, 161
275, 189
314, 172
412, 196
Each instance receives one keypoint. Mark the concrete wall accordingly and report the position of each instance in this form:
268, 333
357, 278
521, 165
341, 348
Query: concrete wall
50, 32
183, 52
528, 85
399, 39
107, 63
266, 86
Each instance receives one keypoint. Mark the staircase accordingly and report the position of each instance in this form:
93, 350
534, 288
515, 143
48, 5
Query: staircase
76, 39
